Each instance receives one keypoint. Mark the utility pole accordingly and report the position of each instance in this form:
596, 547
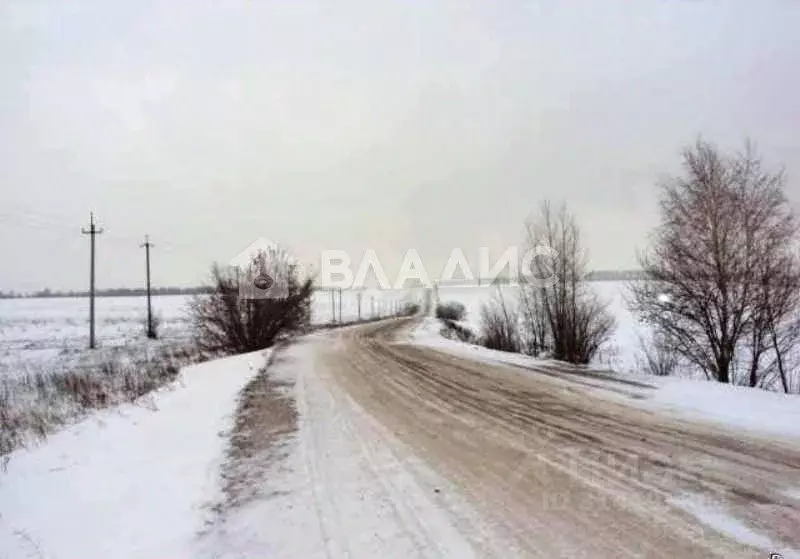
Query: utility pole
93, 231
147, 244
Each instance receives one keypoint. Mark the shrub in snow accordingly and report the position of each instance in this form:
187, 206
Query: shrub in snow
226, 322
451, 310
454, 330
500, 325
656, 356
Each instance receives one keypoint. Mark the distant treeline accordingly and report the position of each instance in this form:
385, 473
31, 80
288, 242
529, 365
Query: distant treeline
114, 292
504, 279
615, 275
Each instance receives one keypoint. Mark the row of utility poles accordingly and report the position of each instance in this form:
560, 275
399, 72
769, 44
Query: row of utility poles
93, 231
393, 307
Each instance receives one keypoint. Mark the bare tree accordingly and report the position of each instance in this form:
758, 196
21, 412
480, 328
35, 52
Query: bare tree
500, 324
225, 321
723, 276
562, 314
656, 356
535, 337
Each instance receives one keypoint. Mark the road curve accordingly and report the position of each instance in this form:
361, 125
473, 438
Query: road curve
562, 472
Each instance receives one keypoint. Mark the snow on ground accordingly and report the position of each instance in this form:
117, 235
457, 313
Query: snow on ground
713, 515
742, 408
736, 406
347, 487
44, 334
132, 482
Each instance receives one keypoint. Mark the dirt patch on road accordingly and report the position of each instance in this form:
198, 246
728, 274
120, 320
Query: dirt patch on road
266, 417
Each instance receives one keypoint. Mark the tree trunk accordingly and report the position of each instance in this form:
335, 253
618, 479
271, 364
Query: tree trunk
779, 357
723, 372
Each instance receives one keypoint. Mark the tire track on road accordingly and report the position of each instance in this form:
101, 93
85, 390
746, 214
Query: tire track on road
476, 422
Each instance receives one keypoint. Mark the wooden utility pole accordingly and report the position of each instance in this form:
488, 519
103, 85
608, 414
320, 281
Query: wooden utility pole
93, 231
151, 333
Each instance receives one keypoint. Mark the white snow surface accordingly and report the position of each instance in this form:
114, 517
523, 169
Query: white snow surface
715, 516
132, 482
49, 335
347, 488
737, 407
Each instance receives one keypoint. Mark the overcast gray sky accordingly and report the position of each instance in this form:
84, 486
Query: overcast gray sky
361, 124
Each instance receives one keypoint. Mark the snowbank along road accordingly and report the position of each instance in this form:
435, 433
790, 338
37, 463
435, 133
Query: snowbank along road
522, 465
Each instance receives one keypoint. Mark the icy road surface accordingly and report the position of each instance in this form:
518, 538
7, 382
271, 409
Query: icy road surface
554, 470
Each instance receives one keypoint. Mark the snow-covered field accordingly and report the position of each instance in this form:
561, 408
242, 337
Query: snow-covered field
38, 333
43, 335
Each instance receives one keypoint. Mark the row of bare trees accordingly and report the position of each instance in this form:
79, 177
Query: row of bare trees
557, 313
723, 277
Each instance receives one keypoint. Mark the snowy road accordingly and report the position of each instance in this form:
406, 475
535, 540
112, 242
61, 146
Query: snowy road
350, 444
535, 466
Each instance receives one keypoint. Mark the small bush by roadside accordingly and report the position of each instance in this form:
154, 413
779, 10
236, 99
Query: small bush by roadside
500, 326
451, 310
454, 331
225, 321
